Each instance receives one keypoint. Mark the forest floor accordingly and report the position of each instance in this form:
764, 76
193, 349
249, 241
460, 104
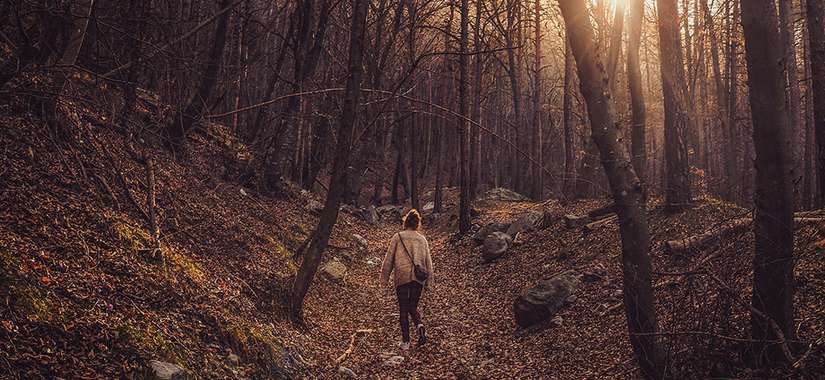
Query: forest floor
83, 297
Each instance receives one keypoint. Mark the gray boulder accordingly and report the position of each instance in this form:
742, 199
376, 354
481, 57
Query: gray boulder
344, 371
314, 206
495, 245
360, 243
503, 194
527, 221
545, 300
394, 361
390, 213
159, 370
334, 271
370, 215
485, 231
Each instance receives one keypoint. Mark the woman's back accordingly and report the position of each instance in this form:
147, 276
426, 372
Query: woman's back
398, 260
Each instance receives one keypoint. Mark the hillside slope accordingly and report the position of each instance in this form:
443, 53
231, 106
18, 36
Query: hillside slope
85, 297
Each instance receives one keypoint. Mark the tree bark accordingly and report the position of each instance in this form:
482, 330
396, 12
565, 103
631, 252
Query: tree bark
773, 278
627, 191
538, 164
464, 126
634, 82
796, 132
514, 72
677, 192
615, 51
475, 136
567, 109
186, 117
346, 128
810, 148
816, 35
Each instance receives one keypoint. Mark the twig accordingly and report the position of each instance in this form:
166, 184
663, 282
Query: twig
351, 346
776, 329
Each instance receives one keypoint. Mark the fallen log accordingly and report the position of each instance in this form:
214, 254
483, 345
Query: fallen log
708, 238
592, 226
575, 221
592, 216
602, 211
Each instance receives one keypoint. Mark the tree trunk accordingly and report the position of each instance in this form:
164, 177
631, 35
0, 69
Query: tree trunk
677, 192
733, 133
634, 82
627, 192
464, 198
346, 128
816, 35
728, 152
773, 278
475, 136
282, 150
615, 51
514, 72
810, 148
538, 164
185, 118
796, 131
567, 109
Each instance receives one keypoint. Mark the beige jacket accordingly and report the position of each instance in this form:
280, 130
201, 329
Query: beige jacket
397, 261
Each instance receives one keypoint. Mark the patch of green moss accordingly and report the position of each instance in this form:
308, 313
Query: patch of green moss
133, 237
251, 338
9, 262
282, 252
186, 265
34, 303
149, 338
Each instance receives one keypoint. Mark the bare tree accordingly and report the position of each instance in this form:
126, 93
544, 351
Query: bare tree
627, 191
187, 116
536, 144
464, 126
773, 279
677, 193
816, 35
634, 82
567, 120
346, 129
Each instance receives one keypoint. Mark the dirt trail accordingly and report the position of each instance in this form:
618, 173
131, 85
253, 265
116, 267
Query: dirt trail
468, 314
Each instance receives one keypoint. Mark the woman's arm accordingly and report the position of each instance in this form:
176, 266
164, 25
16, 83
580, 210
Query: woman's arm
428, 262
389, 261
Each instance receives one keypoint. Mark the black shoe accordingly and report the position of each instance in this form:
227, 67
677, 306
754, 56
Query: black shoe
422, 335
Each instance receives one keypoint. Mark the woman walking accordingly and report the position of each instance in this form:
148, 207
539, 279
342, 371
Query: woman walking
408, 259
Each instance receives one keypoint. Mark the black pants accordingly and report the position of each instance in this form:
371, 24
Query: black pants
408, 296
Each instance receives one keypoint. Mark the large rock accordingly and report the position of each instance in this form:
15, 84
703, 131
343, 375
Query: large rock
394, 361
544, 300
361, 243
370, 215
314, 206
527, 221
334, 271
495, 245
503, 194
390, 213
159, 370
346, 372
485, 231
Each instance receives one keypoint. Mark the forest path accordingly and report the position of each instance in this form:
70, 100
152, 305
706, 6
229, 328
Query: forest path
468, 315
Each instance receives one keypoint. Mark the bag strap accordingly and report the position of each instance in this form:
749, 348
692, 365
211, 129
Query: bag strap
406, 250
